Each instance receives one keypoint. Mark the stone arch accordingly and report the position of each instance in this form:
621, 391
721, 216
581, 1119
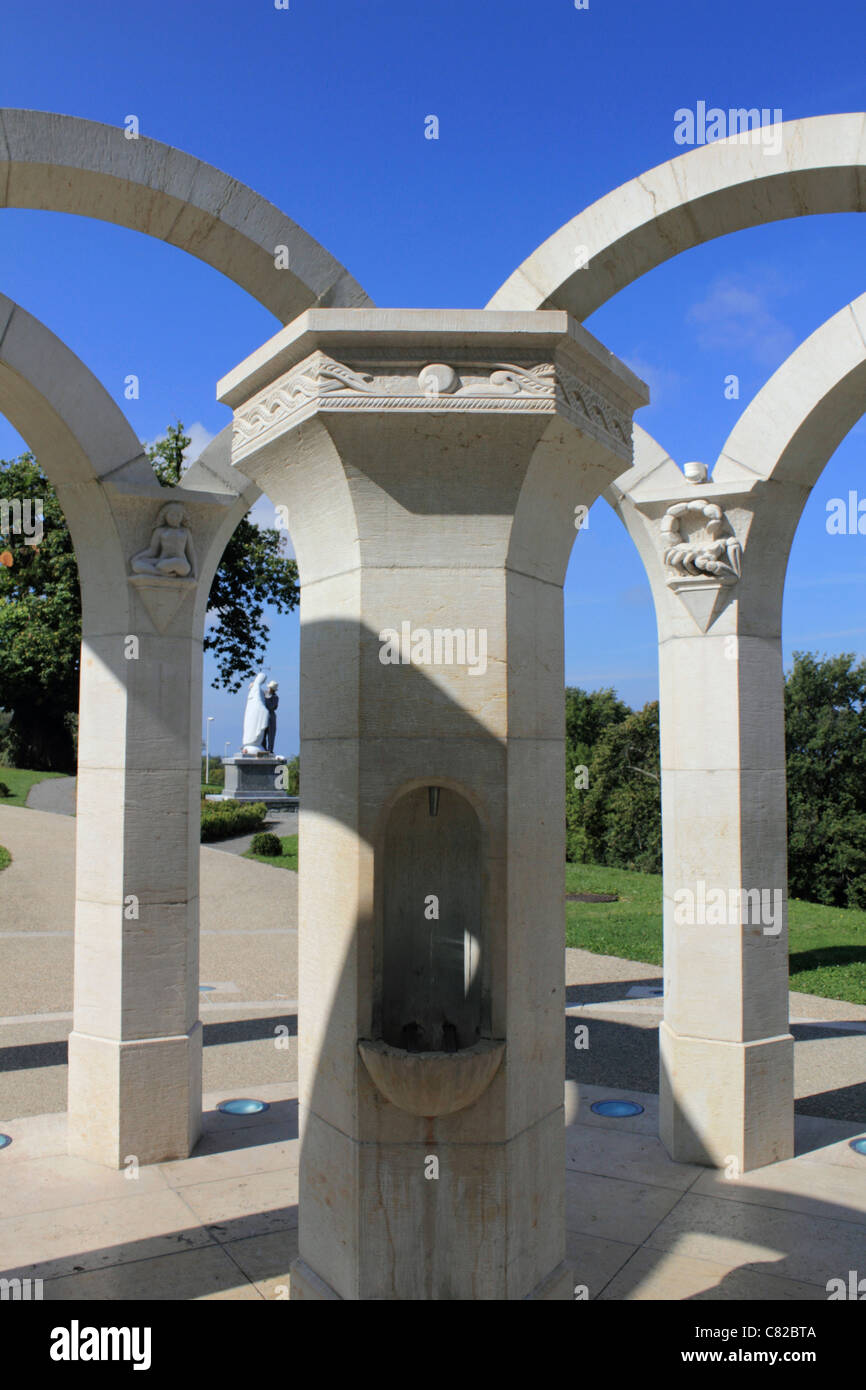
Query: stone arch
790, 429
138, 743
719, 188
66, 164
722, 717
777, 450
88, 450
786, 436
77, 432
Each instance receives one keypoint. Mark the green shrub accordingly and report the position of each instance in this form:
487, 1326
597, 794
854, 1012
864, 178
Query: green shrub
222, 819
4, 790
266, 843
293, 781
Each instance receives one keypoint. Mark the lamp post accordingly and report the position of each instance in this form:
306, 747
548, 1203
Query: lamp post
210, 720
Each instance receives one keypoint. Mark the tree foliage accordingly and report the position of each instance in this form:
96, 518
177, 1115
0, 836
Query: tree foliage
613, 814
40, 611
616, 818
825, 737
40, 628
253, 572
587, 715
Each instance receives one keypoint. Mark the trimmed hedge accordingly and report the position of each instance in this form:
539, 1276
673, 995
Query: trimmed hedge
267, 844
220, 820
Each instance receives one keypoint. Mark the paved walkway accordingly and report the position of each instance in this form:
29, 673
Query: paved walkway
620, 1002
58, 796
223, 1224
249, 979
248, 964
55, 794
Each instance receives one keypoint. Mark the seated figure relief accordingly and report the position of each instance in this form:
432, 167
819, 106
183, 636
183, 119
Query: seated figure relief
170, 553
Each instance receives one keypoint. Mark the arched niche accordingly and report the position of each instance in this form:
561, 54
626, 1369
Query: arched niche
433, 942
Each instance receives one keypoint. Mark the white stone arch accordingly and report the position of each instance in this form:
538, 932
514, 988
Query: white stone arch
76, 431
718, 188
776, 451
91, 455
723, 745
137, 827
66, 164
789, 430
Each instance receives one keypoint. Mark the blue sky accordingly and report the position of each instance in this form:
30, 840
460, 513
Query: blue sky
542, 108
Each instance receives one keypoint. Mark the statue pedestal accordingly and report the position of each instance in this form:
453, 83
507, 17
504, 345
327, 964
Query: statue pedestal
256, 779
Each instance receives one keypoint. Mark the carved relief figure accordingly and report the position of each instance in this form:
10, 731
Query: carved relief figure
171, 553
708, 549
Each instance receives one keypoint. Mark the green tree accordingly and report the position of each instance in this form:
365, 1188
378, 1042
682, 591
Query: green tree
622, 813
40, 611
293, 770
253, 572
587, 715
825, 745
40, 628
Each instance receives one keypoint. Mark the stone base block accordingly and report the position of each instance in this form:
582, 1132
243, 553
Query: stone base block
557, 1287
255, 779
726, 1104
139, 1099
306, 1284
434, 1220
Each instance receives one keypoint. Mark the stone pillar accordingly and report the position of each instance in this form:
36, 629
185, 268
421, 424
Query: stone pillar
431, 464
726, 1064
135, 1048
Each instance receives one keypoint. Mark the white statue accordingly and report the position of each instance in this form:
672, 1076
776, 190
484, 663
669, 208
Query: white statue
256, 716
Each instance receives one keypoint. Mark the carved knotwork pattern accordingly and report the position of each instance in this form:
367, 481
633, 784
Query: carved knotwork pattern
503, 386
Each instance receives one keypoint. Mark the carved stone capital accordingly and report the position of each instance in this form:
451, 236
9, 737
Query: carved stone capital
321, 384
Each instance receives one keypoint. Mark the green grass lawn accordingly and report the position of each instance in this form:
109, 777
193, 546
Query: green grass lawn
5, 858
19, 782
827, 944
287, 860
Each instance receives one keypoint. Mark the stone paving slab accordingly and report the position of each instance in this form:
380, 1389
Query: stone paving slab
223, 1224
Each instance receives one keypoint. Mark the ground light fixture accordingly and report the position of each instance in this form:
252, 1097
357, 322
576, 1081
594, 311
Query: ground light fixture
243, 1106
5, 1140
616, 1109
859, 1146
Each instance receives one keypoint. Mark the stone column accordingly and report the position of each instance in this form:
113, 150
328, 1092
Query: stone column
715, 553
135, 1048
430, 464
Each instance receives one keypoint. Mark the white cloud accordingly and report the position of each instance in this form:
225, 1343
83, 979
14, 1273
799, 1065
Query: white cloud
664, 383
736, 315
200, 436
263, 513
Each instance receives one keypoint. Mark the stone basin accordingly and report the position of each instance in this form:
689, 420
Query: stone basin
432, 1083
